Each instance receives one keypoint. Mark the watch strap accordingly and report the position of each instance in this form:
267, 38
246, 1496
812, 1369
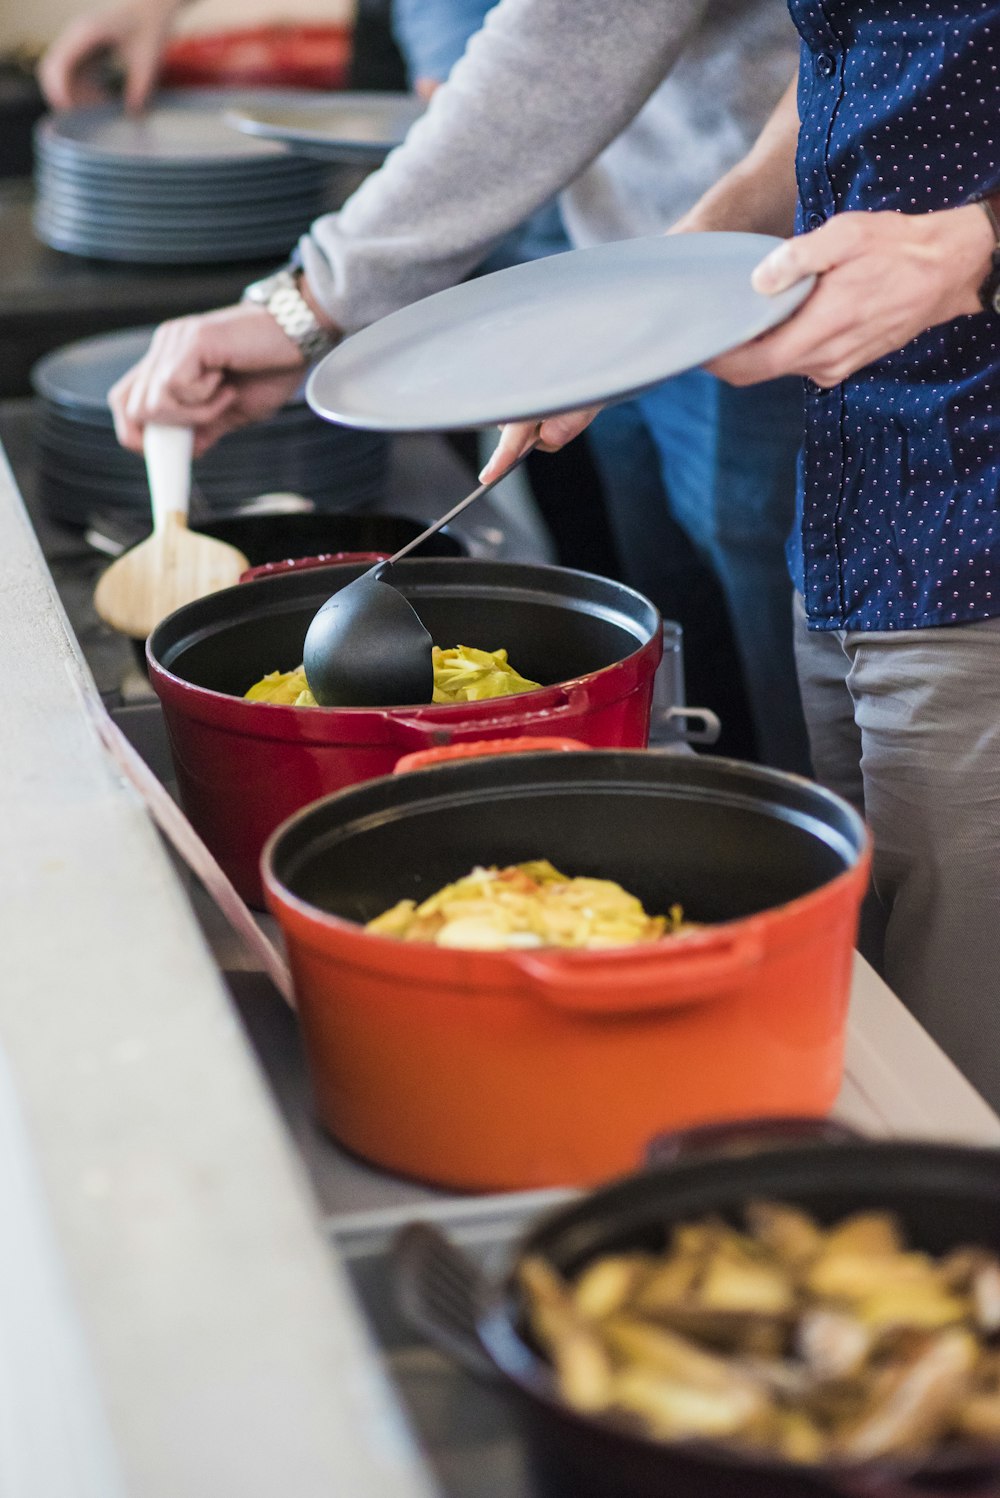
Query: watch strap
280, 295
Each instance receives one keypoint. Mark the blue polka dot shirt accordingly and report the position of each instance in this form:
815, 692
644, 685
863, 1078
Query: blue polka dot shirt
899, 505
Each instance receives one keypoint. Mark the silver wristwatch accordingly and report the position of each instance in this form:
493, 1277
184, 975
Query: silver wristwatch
281, 296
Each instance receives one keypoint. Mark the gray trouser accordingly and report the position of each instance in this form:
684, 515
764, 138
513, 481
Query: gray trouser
906, 726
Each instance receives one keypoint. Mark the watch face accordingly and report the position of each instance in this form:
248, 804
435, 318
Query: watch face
995, 298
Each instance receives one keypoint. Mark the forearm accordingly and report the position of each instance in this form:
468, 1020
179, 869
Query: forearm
540, 92
758, 194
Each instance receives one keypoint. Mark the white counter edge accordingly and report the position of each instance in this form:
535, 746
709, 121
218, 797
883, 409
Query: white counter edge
228, 1351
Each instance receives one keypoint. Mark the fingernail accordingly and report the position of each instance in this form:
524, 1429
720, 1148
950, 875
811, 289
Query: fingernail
774, 273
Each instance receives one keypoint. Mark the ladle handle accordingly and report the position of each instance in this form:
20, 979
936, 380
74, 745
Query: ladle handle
463, 504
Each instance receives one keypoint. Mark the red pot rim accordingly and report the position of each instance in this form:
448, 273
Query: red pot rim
282, 721
278, 721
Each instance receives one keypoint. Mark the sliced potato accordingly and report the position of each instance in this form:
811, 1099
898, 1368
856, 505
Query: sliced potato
791, 1235
676, 1410
853, 1276
742, 1332
641, 1344
867, 1233
913, 1305
668, 1284
581, 1360
606, 1284
730, 1284
918, 1404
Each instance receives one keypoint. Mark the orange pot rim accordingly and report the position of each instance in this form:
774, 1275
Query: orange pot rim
495, 968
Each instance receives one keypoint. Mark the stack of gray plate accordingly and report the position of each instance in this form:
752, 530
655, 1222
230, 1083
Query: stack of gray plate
175, 186
84, 476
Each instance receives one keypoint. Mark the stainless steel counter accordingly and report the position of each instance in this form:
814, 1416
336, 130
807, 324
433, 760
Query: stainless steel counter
192, 1290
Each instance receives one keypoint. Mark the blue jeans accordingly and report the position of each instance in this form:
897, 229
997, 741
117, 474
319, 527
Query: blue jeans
698, 467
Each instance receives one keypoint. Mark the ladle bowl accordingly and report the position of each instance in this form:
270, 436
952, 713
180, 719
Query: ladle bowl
366, 646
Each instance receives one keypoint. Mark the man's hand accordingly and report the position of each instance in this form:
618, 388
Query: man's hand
215, 372
883, 278
135, 32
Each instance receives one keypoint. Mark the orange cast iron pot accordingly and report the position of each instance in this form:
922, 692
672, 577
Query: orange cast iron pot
530, 1068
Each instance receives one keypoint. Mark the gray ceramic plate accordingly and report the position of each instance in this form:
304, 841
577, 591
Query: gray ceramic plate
181, 130
349, 127
571, 330
120, 254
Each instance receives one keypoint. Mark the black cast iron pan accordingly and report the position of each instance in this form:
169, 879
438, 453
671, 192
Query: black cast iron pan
944, 1195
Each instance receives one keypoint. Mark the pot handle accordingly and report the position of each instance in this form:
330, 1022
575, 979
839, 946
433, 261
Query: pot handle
303, 564
699, 724
480, 748
746, 1137
441, 1292
629, 980
546, 720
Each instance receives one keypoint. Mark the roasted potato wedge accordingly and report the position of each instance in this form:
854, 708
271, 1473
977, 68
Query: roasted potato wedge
812, 1343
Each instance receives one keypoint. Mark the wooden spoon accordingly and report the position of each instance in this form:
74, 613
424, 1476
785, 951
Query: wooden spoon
173, 566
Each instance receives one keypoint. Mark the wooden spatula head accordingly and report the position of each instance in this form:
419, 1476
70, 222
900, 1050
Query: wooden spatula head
172, 567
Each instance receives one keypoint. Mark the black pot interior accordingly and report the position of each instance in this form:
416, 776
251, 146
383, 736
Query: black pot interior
553, 623
724, 839
273, 538
944, 1196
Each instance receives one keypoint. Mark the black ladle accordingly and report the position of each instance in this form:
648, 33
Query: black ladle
366, 646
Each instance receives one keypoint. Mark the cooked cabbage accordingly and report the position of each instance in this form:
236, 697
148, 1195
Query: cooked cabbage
462, 674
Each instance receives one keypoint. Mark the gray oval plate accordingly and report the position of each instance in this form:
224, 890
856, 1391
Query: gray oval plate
348, 127
571, 330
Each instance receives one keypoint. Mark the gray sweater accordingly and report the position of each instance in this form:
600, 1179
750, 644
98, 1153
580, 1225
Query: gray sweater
628, 108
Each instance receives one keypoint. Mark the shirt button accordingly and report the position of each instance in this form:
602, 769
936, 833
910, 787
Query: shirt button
815, 220
826, 64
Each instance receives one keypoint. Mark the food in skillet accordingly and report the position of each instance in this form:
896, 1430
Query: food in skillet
462, 674
811, 1344
526, 905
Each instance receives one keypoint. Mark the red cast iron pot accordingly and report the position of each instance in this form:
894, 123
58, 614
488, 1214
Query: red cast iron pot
243, 767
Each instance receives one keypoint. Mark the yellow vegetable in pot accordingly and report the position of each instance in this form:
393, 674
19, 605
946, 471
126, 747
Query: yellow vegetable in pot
460, 675
468, 675
525, 905
288, 688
